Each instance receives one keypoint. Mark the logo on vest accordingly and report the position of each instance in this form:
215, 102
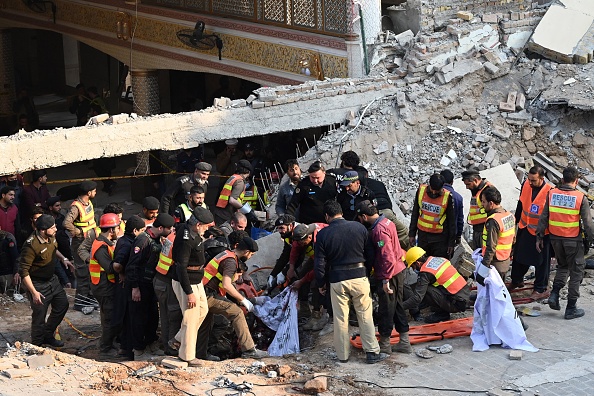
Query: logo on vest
508, 222
167, 244
534, 208
564, 201
429, 207
434, 263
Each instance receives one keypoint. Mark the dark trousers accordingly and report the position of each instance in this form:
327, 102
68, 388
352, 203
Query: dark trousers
54, 296
477, 236
204, 336
541, 261
391, 313
441, 301
108, 332
434, 244
143, 317
570, 263
82, 274
119, 314
169, 309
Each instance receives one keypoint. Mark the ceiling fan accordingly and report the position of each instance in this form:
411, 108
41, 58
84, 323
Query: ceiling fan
196, 38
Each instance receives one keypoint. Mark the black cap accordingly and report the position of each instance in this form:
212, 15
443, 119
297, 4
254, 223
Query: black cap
164, 220
44, 222
51, 201
249, 146
284, 219
88, 185
201, 215
244, 166
301, 231
204, 166
134, 223
316, 166
365, 208
247, 243
349, 177
470, 173
150, 203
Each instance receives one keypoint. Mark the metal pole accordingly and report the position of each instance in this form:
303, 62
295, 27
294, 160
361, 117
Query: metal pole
364, 44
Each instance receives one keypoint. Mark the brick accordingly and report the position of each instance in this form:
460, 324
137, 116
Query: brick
467, 16
40, 361
18, 373
511, 97
282, 370
504, 106
515, 355
520, 101
250, 99
257, 104
491, 68
174, 363
514, 16
490, 18
401, 99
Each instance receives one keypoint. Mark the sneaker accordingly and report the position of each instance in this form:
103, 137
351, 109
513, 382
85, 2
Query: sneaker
321, 323
85, 309
254, 353
155, 348
51, 341
375, 357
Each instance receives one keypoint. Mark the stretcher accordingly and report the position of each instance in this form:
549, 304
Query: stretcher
518, 300
429, 332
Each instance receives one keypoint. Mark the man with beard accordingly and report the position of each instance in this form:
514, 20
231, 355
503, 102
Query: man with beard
285, 225
287, 187
195, 199
177, 192
35, 194
150, 210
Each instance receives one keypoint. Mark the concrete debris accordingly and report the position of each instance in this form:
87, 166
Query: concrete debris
174, 363
569, 81
515, 354
424, 353
40, 361
316, 385
461, 69
222, 102
381, 148
491, 68
18, 373
467, 16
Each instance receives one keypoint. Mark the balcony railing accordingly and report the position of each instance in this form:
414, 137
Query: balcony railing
319, 16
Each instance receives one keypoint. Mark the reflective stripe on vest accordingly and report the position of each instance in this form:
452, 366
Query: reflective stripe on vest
86, 217
445, 274
212, 269
531, 210
94, 267
165, 257
564, 212
432, 211
476, 213
226, 191
250, 196
187, 212
507, 230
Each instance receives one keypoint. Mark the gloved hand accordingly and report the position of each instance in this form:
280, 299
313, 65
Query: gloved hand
271, 282
280, 278
246, 209
247, 304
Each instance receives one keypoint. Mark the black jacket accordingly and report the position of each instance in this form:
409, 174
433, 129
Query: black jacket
310, 200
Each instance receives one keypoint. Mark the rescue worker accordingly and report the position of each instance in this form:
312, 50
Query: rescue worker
532, 200
498, 233
287, 186
389, 269
150, 210
341, 252
140, 271
433, 219
256, 197
177, 192
187, 283
78, 222
169, 310
308, 201
229, 199
103, 276
219, 275
352, 193
285, 224
120, 319
195, 199
477, 216
237, 222
564, 208
302, 259
37, 270
439, 286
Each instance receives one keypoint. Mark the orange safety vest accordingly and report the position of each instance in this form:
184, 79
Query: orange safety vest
564, 212
445, 274
165, 257
432, 211
476, 213
531, 210
507, 231
226, 191
86, 217
94, 267
212, 269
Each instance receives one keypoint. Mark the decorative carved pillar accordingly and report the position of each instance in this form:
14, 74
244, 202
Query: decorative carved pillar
354, 55
7, 88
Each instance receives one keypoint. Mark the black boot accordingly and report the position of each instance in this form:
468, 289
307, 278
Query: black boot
554, 300
572, 312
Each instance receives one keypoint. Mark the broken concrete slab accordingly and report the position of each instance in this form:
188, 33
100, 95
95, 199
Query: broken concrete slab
491, 68
18, 373
515, 354
40, 361
461, 69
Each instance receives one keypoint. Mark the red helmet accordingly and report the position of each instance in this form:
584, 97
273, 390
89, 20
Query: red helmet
109, 220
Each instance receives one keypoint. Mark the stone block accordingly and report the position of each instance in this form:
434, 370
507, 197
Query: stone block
40, 361
520, 116
401, 99
173, 363
490, 67
267, 95
221, 102
491, 57
490, 18
511, 97
520, 102
316, 385
250, 99
482, 138
18, 373
515, 354
490, 156
467, 16
502, 133
238, 103
505, 106
257, 104
118, 118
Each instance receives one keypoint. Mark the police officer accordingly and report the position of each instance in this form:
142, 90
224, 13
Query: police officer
78, 222
177, 192
140, 271
194, 199
433, 219
37, 270
311, 193
352, 193
150, 210
564, 209
439, 285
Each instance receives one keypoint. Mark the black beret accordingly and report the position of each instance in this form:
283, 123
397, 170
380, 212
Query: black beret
44, 222
284, 219
51, 201
244, 166
164, 220
203, 216
204, 166
88, 185
134, 223
470, 173
150, 203
301, 231
247, 243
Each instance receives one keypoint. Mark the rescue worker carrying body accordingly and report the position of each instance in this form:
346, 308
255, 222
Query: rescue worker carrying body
439, 286
103, 276
285, 224
477, 216
433, 219
229, 199
195, 198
